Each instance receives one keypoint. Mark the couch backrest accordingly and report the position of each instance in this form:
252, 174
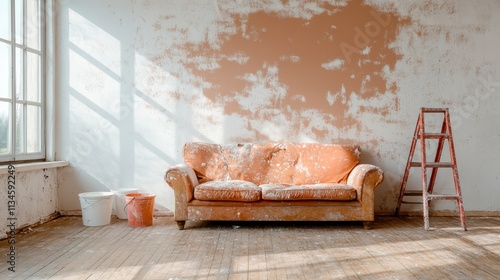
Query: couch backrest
292, 163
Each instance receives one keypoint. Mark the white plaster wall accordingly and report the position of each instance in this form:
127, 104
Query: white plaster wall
454, 63
36, 198
128, 100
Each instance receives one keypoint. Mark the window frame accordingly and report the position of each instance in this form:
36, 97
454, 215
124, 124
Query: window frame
24, 156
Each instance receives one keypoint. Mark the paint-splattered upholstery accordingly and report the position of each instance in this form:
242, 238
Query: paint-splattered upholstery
322, 191
228, 170
230, 190
291, 163
273, 182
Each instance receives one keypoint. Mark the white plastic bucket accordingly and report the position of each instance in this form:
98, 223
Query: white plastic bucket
96, 208
121, 201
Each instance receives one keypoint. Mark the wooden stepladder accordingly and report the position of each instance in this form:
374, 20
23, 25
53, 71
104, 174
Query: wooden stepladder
428, 187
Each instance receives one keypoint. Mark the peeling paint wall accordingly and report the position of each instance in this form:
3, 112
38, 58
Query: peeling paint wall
138, 79
35, 195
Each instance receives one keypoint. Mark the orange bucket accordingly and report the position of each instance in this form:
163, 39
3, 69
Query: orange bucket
140, 207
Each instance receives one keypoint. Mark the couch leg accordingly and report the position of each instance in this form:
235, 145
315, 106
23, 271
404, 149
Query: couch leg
180, 224
367, 225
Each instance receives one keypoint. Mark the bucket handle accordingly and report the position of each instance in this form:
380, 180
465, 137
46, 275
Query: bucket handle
88, 206
125, 208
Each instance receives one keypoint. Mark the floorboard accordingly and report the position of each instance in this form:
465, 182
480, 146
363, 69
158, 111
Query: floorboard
396, 248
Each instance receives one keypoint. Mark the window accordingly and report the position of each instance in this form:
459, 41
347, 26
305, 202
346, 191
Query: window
22, 80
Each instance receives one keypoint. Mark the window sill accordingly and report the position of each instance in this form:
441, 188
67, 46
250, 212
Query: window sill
20, 167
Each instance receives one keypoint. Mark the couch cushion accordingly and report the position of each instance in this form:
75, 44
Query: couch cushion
231, 190
320, 163
247, 162
206, 160
325, 191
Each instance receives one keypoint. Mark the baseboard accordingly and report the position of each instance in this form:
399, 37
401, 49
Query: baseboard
441, 213
168, 213
71, 213
78, 213
28, 228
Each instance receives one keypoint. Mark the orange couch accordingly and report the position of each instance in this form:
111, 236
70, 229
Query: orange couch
273, 182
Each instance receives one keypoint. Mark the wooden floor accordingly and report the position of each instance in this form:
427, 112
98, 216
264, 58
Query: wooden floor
397, 248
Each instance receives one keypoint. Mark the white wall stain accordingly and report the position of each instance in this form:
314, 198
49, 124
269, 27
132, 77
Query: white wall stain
265, 89
333, 64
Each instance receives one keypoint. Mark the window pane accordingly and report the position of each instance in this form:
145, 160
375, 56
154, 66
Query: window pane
33, 24
21, 79
20, 129
33, 132
33, 85
5, 128
19, 74
5, 19
5, 71
19, 18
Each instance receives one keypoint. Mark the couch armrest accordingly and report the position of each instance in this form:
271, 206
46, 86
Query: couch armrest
182, 179
365, 178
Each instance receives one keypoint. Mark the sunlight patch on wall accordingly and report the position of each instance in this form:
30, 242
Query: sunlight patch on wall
101, 47
98, 89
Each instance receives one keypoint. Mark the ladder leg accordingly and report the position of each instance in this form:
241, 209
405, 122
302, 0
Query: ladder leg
462, 213
458, 191
426, 211
405, 180
407, 169
456, 179
423, 159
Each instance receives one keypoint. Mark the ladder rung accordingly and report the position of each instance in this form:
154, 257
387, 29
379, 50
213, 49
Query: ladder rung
436, 135
443, 196
431, 164
411, 202
434, 110
413, 193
